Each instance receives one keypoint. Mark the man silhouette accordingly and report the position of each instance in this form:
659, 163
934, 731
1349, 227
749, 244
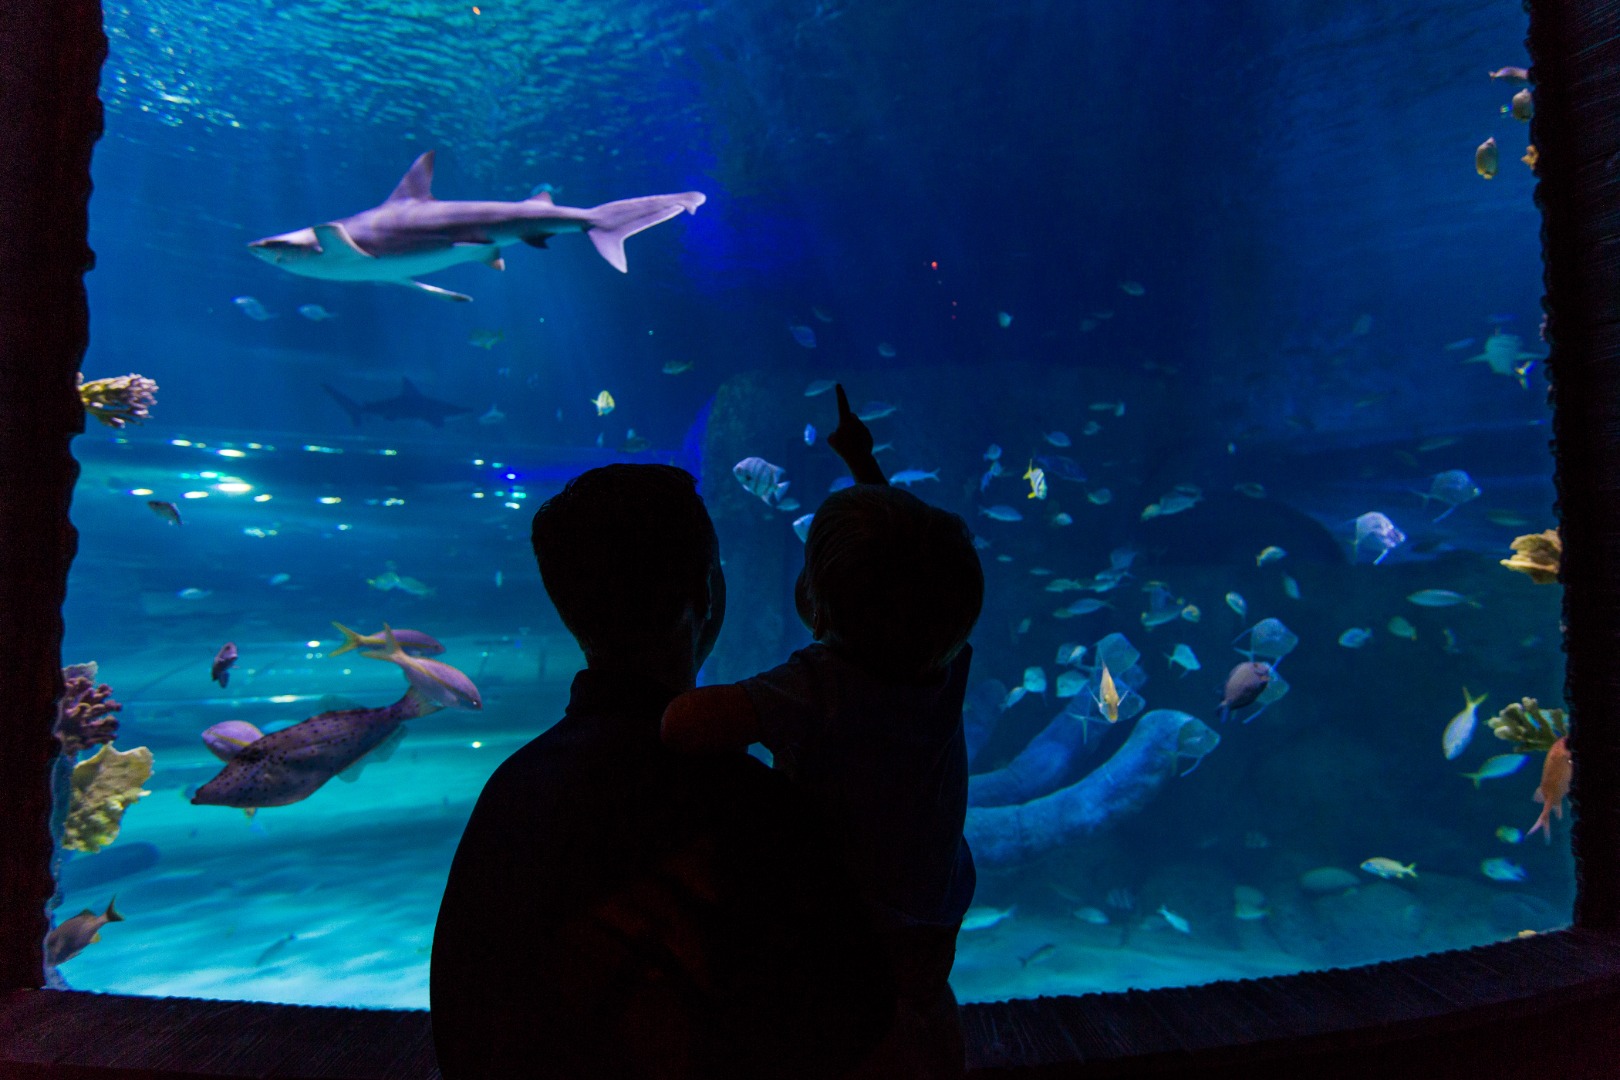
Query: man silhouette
615, 910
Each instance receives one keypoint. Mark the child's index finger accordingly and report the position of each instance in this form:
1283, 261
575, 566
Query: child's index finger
843, 403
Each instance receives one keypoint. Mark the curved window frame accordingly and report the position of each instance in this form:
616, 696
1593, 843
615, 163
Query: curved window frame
1475, 1012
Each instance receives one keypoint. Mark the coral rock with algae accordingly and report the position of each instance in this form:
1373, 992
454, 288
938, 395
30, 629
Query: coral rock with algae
1529, 727
104, 786
1538, 555
118, 401
86, 714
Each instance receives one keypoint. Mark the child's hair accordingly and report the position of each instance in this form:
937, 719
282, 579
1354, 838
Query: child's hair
890, 581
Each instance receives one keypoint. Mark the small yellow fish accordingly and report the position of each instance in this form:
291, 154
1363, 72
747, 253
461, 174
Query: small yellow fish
1532, 156
1389, 868
1402, 629
1271, 554
1037, 481
604, 403
1191, 613
1485, 158
1108, 696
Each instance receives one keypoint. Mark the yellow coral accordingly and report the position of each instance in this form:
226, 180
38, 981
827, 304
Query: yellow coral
1528, 726
1538, 555
104, 786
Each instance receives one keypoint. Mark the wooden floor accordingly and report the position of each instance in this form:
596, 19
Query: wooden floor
1546, 1007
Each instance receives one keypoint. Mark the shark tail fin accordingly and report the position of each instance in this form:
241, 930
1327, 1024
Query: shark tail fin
346, 403
611, 224
351, 640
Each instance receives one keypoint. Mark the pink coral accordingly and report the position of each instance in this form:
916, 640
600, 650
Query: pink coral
86, 714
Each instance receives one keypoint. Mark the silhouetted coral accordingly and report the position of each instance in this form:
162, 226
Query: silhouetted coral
86, 714
1529, 727
118, 401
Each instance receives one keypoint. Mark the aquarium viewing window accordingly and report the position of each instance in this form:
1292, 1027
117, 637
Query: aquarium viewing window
1251, 435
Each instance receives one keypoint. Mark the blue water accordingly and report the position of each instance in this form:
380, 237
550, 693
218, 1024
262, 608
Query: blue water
1215, 246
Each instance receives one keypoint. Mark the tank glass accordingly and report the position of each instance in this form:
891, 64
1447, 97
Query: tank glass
1218, 323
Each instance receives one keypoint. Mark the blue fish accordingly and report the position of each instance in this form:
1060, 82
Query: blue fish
250, 307
809, 434
803, 335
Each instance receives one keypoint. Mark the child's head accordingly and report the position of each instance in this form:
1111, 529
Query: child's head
890, 581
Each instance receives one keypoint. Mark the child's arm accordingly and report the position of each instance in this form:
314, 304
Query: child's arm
853, 441
709, 719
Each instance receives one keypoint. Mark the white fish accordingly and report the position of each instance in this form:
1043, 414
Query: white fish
1058, 438
760, 477
251, 307
982, 918
1069, 684
809, 434
1381, 531
1070, 653
907, 477
1236, 602
1176, 922
1460, 729
1001, 513
876, 410
1014, 696
801, 527
1083, 606
1034, 680
194, 594
1003, 319
1182, 657
820, 386
1094, 916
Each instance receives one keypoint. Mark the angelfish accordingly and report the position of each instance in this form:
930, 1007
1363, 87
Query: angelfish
290, 765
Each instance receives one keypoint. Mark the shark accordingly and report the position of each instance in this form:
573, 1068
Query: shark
409, 404
412, 233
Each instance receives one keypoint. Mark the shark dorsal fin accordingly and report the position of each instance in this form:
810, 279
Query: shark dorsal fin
543, 197
417, 183
407, 389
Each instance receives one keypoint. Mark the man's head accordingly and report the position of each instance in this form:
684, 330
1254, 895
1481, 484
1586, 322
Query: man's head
890, 581
629, 557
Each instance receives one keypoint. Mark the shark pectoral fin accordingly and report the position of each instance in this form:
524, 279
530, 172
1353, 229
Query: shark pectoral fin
352, 773
336, 243
435, 291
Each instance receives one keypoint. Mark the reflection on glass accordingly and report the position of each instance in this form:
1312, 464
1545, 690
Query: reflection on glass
1237, 383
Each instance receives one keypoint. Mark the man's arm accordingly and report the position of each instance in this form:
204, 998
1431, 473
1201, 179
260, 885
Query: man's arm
852, 440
